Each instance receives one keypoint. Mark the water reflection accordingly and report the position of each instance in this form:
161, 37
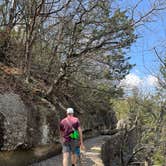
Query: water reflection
25, 158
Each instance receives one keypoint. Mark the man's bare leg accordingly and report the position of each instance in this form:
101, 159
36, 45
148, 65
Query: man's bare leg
65, 158
73, 159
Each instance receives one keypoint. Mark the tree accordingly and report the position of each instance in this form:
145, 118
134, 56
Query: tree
147, 115
94, 41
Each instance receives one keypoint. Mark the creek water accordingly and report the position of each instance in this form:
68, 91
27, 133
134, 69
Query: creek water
27, 157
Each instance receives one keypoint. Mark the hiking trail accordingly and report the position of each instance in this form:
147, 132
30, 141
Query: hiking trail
90, 157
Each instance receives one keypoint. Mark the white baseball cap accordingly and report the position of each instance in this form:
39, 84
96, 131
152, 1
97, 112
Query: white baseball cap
70, 111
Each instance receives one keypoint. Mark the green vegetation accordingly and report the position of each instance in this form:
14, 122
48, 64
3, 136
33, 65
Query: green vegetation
151, 117
75, 52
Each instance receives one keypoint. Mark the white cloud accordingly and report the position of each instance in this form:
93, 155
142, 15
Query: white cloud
152, 80
133, 80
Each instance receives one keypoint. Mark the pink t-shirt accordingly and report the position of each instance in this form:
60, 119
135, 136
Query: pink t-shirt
66, 128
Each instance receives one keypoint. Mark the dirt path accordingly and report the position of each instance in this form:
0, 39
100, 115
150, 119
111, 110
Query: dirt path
90, 157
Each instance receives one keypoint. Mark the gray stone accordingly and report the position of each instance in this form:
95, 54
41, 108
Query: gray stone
15, 120
35, 124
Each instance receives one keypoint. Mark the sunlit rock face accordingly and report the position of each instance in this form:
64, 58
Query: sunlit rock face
45, 132
13, 121
118, 149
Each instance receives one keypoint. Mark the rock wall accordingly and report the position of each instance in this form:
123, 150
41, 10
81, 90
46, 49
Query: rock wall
24, 124
118, 149
14, 121
42, 125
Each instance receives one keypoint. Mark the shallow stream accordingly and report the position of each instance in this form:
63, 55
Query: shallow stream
27, 157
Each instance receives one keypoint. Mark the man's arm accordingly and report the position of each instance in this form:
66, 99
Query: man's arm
81, 138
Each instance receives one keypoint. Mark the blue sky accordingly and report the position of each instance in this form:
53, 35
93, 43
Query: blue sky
142, 52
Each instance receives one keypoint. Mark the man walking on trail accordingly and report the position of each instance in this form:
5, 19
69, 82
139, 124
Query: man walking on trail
71, 137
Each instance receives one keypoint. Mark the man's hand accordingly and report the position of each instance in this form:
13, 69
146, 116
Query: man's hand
82, 147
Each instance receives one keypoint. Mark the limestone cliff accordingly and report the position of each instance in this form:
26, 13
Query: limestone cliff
27, 124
